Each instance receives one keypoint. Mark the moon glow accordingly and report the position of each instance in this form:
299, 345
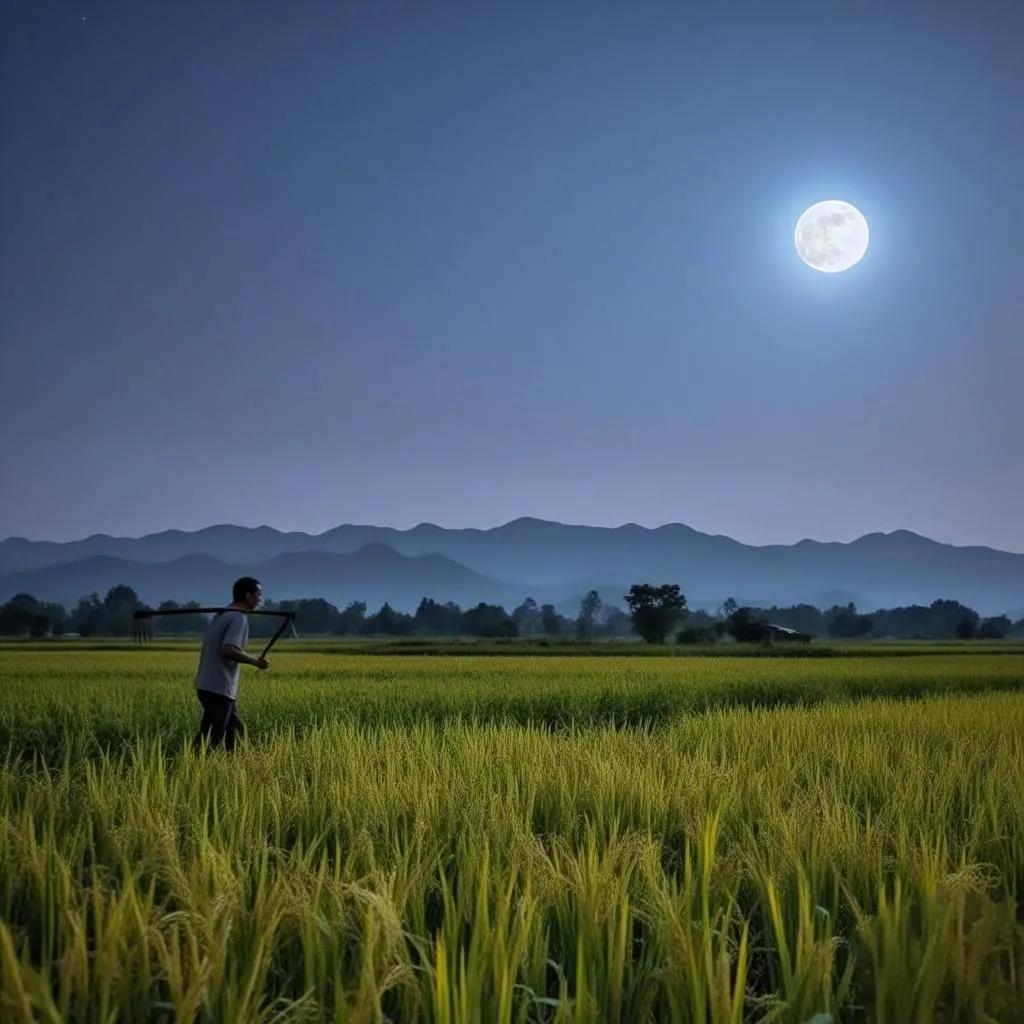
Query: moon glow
831, 236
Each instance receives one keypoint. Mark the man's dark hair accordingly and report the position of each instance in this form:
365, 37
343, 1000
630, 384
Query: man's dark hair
243, 588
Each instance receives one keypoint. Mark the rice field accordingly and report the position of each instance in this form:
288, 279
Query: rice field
461, 838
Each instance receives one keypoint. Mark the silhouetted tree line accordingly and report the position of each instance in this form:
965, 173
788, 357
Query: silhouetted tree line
941, 620
23, 615
434, 618
655, 613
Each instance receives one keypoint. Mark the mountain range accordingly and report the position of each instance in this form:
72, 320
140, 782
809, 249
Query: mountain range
549, 561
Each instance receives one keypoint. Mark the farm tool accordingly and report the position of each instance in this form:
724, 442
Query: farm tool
142, 624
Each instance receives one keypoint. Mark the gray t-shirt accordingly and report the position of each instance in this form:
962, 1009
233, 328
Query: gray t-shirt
214, 673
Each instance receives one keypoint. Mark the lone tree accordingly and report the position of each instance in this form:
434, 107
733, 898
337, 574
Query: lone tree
590, 608
654, 611
120, 604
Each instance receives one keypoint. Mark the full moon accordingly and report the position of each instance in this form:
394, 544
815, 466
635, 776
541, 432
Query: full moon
831, 236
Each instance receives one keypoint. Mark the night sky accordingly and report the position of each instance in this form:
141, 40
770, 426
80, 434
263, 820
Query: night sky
304, 264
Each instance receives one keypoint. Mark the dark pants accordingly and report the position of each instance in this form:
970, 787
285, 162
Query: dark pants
221, 722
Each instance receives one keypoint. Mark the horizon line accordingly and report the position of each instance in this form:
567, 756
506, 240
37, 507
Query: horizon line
499, 526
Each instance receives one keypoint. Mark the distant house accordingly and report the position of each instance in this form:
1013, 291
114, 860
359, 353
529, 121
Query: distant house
785, 633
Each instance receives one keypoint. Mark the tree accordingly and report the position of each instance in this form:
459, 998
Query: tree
180, 623
655, 610
89, 616
966, 627
351, 619
939, 619
312, 615
946, 618
590, 607
437, 619
616, 623
23, 615
995, 628
729, 605
17, 615
527, 618
551, 622
489, 620
805, 618
697, 634
747, 626
120, 605
388, 621
506, 629
847, 623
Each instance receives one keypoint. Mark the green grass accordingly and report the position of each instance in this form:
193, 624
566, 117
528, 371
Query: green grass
521, 838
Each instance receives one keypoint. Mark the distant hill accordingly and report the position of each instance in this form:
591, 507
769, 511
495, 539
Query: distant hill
374, 574
550, 561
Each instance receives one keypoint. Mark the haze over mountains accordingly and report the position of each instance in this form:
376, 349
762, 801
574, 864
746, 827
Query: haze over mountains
526, 557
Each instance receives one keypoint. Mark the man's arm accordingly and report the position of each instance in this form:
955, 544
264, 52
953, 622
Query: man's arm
229, 652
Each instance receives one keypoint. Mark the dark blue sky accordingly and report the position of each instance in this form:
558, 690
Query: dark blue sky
304, 264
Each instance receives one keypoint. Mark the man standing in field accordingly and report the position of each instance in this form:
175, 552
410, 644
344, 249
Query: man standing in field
220, 662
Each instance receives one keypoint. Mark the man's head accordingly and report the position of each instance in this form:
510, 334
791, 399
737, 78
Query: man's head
247, 592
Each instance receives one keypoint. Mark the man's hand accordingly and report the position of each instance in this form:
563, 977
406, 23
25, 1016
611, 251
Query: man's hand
229, 652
